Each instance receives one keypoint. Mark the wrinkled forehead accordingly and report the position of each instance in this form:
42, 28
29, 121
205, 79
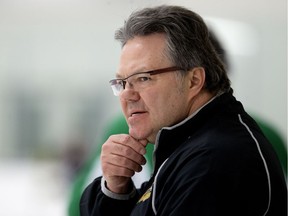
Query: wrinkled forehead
142, 53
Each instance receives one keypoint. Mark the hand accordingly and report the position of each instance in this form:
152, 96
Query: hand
121, 157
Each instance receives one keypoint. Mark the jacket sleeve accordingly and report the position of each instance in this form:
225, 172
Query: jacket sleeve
94, 202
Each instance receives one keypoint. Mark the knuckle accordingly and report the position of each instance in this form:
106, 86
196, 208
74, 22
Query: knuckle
124, 138
104, 147
127, 151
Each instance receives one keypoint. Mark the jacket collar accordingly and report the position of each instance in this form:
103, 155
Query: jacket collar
183, 121
169, 138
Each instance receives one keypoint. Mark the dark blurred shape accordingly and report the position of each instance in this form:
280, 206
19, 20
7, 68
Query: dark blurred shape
270, 132
220, 50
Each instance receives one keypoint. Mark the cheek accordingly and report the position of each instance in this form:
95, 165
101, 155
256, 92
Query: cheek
166, 107
175, 105
123, 105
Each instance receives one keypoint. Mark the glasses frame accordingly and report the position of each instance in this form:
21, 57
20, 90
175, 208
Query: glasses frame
151, 73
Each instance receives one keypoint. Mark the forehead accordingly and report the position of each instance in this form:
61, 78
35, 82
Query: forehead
143, 53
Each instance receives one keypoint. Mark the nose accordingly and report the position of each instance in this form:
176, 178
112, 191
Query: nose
129, 94
125, 82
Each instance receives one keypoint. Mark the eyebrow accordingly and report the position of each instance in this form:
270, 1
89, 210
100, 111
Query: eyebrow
118, 76
142, 70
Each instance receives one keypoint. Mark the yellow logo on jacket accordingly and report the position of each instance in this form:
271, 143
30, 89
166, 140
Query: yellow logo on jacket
146, 195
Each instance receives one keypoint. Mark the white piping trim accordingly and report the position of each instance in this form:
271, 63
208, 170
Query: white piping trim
154, 188
182, 122
264, 162
186, 119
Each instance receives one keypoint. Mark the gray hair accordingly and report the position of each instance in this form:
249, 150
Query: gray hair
188, 41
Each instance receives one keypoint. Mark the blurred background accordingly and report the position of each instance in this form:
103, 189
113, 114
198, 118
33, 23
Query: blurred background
56, 58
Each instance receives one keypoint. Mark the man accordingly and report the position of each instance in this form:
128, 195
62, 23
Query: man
210, 156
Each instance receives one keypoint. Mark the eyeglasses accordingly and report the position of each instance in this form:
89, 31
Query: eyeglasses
138, 80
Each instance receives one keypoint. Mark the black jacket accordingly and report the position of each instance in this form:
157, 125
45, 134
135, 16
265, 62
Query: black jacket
217, 162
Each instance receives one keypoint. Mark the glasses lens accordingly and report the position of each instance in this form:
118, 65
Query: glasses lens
117, 86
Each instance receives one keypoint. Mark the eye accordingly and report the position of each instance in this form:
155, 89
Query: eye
143, 78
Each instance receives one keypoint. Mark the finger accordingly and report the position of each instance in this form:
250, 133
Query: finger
124, 162
127, 140
119, 166
112, 170
121, 155
128, 153
144, 142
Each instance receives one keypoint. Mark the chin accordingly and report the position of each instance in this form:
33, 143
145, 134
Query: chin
137, 134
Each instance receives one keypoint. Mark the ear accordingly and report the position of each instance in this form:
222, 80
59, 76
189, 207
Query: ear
196, 80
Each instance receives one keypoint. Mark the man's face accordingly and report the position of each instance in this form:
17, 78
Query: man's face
164, 101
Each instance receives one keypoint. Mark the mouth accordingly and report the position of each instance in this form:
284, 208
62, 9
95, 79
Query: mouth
136, 118
136, 113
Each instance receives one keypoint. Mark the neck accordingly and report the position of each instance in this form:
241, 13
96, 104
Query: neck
200, 100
